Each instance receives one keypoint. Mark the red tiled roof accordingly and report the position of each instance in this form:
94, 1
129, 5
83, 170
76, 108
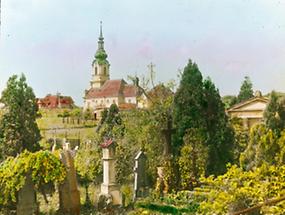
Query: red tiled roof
130, 91
112, 88
52, 101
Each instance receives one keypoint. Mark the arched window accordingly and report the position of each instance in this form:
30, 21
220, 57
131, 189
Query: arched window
105, 71
96, 70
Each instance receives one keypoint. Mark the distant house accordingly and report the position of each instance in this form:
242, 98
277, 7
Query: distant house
250, 111
55, 101
104, 92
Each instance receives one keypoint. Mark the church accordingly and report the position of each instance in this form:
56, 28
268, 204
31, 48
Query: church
104, 92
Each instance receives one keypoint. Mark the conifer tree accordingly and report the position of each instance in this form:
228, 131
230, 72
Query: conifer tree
198, 105
18, 127
219, 134
274, 114
246, 91
188, 100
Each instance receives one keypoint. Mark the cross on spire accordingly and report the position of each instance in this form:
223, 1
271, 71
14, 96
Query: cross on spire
101, 34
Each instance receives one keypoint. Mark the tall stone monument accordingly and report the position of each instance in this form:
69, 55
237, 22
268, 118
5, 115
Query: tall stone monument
69, 197
110, 190
139, 175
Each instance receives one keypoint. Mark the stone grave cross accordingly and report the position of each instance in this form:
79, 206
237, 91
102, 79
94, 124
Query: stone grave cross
139, 175
168, 136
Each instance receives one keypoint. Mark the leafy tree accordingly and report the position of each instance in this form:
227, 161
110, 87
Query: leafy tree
88, 166
43, 167
193, 159
87, 114
262, 148
65, 115
256, 190
18, 127
229, 101
274, 114
76, 114
241, 138
246, 91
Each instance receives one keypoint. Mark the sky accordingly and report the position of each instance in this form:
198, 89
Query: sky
53, 42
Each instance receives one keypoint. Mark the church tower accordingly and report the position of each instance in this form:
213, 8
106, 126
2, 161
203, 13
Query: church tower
100, 64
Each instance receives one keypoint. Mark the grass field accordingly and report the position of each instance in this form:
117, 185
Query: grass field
54, 127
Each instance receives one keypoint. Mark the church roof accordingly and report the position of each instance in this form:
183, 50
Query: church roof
112, 88
130, 91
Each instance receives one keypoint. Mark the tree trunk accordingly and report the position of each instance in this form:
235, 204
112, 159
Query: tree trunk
87, 198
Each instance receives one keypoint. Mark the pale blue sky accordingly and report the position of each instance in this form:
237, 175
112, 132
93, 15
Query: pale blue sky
53, 41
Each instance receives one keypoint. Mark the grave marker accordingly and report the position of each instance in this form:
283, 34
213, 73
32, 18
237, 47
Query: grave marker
140, 175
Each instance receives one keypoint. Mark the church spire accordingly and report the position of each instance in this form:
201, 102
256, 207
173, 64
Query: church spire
101, 55
101, 39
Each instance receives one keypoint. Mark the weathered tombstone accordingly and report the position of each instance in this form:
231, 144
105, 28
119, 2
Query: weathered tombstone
27, 199
110, 191
69, 197
162, 184
140, 175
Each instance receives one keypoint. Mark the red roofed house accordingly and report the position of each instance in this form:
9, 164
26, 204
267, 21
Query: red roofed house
104, 92
55, 101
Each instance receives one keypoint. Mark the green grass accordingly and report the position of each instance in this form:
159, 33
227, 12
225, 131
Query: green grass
52, 126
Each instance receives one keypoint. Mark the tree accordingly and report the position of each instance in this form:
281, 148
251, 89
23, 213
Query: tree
193, 159
18, 127
262, 148
246, 91
229, 101
88, 166
274, 114
219, 136
260, 190
241, 136
87, 115
198, 105
44, 168
188, 99
76, 114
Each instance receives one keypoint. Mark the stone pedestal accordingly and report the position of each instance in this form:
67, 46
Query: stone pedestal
109, 187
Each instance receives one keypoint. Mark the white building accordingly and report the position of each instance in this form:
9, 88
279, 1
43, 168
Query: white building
104, 92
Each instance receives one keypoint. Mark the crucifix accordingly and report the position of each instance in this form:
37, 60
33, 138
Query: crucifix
167, 132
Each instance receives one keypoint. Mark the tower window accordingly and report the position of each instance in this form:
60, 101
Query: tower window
105, 71
96, 70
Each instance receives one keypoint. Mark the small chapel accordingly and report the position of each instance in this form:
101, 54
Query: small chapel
104, 92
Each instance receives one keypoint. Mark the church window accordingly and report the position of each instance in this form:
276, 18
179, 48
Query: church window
105, 71
96, 70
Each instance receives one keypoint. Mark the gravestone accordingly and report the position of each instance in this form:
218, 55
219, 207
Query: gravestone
69, 197
27, 199
140, 175
110, 191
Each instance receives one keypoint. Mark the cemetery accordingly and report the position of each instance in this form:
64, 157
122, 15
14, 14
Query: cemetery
200, 138
144, 161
